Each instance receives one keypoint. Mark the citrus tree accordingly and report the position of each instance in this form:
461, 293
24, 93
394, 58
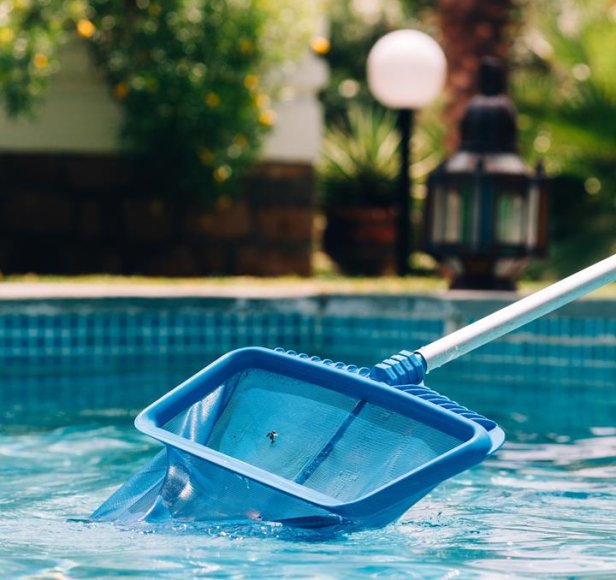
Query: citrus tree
190, 75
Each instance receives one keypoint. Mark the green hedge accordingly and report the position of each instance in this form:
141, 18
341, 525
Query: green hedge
189, 74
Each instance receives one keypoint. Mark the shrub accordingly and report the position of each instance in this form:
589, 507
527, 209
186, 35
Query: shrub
188, 73
565, 90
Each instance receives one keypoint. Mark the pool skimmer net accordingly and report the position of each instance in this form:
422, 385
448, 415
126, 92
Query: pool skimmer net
276, 436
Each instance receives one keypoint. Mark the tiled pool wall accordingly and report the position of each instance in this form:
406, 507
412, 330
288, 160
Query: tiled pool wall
153, 343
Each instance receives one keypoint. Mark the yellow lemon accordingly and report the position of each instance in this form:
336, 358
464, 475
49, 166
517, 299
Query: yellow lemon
41, 61
320, 45
212, 100
85, 28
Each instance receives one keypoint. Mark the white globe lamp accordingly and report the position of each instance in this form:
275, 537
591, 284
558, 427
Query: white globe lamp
406, 71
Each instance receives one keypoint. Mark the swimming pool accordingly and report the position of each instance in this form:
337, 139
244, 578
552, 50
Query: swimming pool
544, 505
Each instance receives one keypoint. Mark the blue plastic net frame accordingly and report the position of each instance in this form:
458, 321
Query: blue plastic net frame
383, 502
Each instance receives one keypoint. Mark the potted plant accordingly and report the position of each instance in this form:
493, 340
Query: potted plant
358, 187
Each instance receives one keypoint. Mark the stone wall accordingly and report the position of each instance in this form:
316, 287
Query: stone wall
90, 213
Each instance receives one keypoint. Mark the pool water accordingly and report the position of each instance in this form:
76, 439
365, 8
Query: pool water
545, 505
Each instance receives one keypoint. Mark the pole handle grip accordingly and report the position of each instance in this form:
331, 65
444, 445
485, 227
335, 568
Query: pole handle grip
407, 367
517, 314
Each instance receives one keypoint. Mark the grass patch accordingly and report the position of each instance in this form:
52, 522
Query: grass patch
329, 283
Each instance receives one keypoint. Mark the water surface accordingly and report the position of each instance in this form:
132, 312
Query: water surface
545, 505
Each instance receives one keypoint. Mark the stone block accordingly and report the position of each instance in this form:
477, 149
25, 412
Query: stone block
273, 261
67, 212
175, 261
146, 220
38, 171
90, 219
214, 258
37, 212
110, 262
281, 184
92, 173
281, 223
224, 222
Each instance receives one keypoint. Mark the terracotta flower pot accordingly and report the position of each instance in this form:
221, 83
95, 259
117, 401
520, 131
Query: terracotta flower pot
361, 240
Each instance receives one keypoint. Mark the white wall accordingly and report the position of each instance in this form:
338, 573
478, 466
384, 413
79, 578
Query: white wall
298, 130
79, 114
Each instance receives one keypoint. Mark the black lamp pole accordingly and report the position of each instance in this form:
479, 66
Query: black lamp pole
403, 250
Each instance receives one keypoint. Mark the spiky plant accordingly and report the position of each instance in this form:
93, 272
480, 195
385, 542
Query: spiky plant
360, 160
565, 89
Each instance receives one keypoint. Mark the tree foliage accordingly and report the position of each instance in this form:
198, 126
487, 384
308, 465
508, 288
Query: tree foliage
565, 88
189, 74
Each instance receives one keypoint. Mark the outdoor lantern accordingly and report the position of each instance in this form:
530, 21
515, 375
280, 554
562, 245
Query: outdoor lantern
405, 71
486, 212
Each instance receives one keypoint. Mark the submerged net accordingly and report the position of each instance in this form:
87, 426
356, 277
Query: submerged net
339, 448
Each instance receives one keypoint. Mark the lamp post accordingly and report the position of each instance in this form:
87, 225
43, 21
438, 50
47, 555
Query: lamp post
406, 71
486, 212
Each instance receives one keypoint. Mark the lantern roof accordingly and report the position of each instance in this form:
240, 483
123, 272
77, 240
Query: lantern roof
489, 122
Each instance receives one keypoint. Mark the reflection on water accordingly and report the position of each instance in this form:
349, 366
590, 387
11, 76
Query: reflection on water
545, 505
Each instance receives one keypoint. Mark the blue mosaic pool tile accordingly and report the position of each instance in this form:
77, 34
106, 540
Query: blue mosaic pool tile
41, 337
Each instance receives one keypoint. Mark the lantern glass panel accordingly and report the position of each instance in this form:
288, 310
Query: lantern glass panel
453, 230
510, 219
467, 211
446, 214
534, 212
439, 210
512, 212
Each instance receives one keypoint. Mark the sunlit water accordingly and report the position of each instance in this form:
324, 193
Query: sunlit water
545, 505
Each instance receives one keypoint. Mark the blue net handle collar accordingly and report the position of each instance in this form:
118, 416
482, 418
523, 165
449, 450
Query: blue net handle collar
403, 368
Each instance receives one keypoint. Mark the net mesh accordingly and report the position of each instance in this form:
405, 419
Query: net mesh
335, 444
339, 447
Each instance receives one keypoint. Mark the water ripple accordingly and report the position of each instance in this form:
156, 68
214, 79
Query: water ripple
536, 509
